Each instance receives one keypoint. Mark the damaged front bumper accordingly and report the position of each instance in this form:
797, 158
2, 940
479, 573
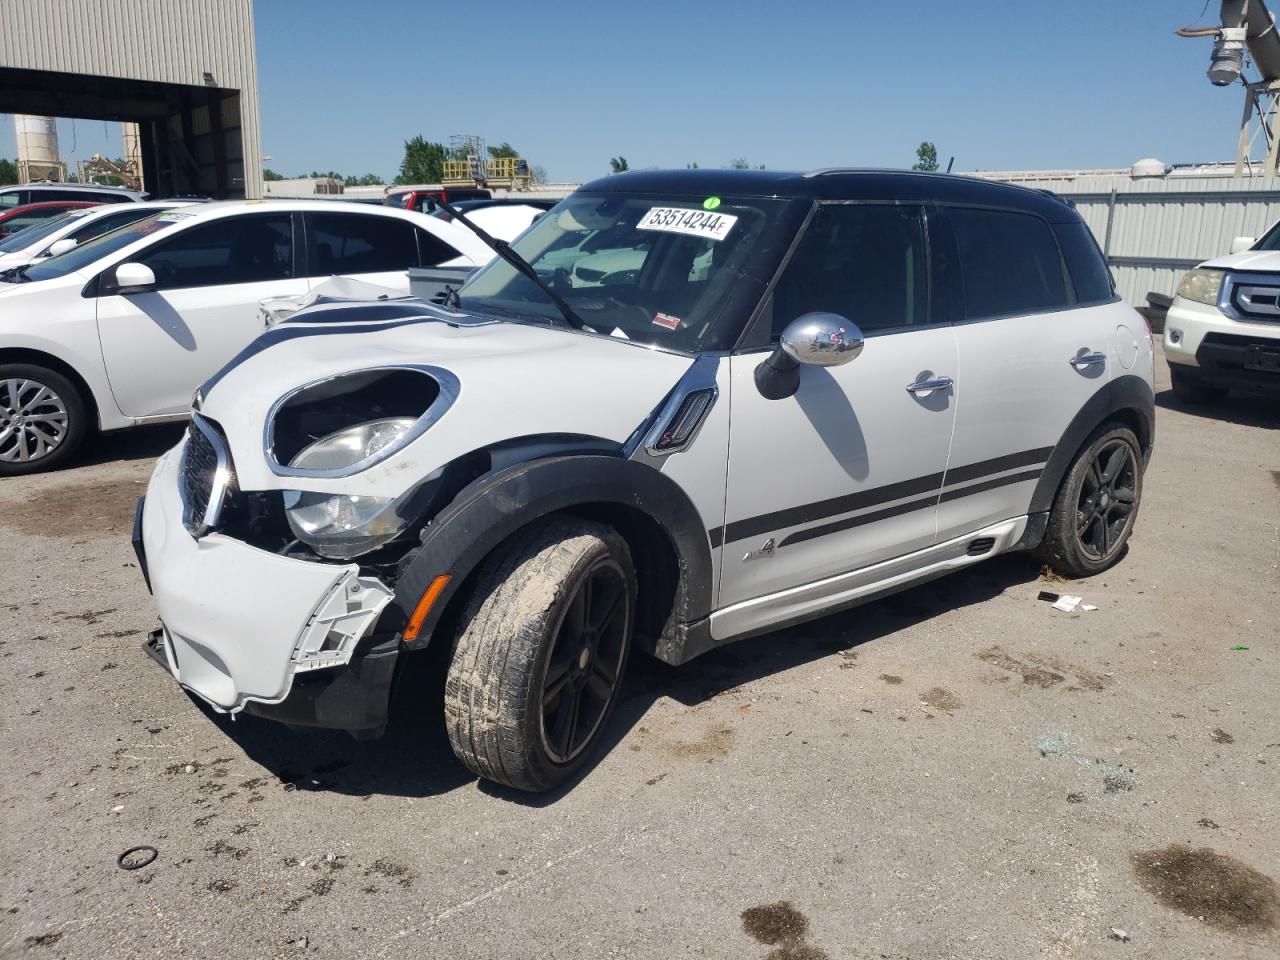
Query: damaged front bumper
244, 629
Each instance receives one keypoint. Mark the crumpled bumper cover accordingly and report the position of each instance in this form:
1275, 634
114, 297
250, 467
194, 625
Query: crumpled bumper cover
246, 628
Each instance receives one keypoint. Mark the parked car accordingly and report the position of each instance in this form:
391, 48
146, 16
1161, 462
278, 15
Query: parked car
16, 219
424, 200
880, 378
1222, 330
120, 330
60, 234
504, 219
24, 193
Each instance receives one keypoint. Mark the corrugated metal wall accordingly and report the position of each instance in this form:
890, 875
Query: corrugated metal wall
168, 41
1154, 229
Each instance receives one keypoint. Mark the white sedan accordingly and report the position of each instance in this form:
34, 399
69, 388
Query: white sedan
121, 330
52, 237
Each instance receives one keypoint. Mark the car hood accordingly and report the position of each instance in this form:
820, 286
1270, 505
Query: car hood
1261, 260
514, 381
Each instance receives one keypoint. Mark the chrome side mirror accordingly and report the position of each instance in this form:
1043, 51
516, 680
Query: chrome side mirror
815, 339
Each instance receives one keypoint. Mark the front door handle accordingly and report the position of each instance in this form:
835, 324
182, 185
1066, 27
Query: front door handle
1087, 359
928, 386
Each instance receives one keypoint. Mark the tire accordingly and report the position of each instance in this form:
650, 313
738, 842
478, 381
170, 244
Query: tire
1097, 505
1189, 388
43, 419
533, 678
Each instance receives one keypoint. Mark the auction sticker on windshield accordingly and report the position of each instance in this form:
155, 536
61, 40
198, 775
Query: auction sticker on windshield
693, 223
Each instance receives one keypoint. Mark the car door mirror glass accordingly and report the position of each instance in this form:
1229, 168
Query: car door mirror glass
134, 278
60, 246
1241, 244
821, 339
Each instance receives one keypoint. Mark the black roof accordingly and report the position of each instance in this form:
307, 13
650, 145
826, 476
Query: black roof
838, 184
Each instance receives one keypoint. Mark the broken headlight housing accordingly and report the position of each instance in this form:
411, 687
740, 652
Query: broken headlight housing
343, 526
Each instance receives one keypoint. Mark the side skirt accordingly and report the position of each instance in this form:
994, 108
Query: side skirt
821, 597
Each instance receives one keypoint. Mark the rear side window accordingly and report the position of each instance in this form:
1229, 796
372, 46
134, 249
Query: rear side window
11, 199
229, 250
345, 243
432, 250
1089, 272
108, 222
1009, 263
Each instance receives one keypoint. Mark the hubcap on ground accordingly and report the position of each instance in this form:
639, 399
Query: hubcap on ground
585, 661
1107, 501
33, 420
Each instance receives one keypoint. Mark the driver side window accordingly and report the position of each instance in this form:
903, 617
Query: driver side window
229, 250
863, 262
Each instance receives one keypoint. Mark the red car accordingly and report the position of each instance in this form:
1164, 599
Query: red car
424, 200
19, 218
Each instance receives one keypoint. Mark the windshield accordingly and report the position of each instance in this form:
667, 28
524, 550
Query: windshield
673, 272
94, 250
37, 232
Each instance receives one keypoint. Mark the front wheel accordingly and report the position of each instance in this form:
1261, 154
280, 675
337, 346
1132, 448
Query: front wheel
1095, 509
43, 419
541, 653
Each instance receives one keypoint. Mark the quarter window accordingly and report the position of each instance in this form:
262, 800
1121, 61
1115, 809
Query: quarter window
345, 243
1009, 263
229, 250
1089, 272
865, 263
433, 251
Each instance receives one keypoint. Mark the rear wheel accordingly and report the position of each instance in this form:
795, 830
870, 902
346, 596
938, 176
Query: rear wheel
541, 654
43, 419
1189, 388
1095, 509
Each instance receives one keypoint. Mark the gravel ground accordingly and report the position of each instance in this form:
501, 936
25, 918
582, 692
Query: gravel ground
958, 771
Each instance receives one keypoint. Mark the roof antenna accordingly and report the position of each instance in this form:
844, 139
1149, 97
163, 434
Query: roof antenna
950, 162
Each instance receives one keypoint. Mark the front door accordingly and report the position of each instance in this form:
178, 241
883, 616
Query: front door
159, 346
846, 472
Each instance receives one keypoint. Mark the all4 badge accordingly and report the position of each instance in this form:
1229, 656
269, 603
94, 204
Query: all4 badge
765, 551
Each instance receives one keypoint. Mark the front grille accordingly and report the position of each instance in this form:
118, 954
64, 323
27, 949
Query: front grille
205, 475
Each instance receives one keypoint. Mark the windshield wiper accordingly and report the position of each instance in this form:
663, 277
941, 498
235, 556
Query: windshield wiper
503, 249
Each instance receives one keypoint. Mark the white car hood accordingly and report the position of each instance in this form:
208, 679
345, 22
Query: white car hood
516, 380
1265, 261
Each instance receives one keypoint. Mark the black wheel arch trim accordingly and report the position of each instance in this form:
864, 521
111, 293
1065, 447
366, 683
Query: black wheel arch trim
1127, 394
495, 506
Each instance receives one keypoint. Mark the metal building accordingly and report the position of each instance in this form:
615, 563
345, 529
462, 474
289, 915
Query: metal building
184, 70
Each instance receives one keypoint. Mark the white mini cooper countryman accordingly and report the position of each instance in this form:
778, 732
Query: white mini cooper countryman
803, 391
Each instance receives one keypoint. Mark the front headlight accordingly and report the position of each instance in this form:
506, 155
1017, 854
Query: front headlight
343, 526
1201, 285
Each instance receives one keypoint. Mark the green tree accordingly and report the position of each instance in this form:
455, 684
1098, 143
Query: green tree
739, 164
269, 174
503, 150
691, 166
423, 162
619, 164
8, 172
926, 157
539, 174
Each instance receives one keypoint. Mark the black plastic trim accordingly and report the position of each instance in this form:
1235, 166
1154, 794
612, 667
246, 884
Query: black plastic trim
1129, 393
139, 549
496, 506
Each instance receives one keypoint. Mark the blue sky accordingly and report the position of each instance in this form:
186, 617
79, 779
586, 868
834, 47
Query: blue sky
792, 85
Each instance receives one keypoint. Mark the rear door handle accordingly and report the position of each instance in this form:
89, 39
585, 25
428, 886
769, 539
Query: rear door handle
928, 386
1087, 359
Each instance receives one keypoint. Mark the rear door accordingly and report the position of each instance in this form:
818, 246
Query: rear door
1029, 359
160, 345
371, 247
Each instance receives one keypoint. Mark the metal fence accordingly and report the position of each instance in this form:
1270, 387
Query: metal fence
1153, 230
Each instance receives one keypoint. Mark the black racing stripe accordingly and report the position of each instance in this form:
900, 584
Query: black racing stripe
848, 523
987, 467
956, 493
808, 512
716, 536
